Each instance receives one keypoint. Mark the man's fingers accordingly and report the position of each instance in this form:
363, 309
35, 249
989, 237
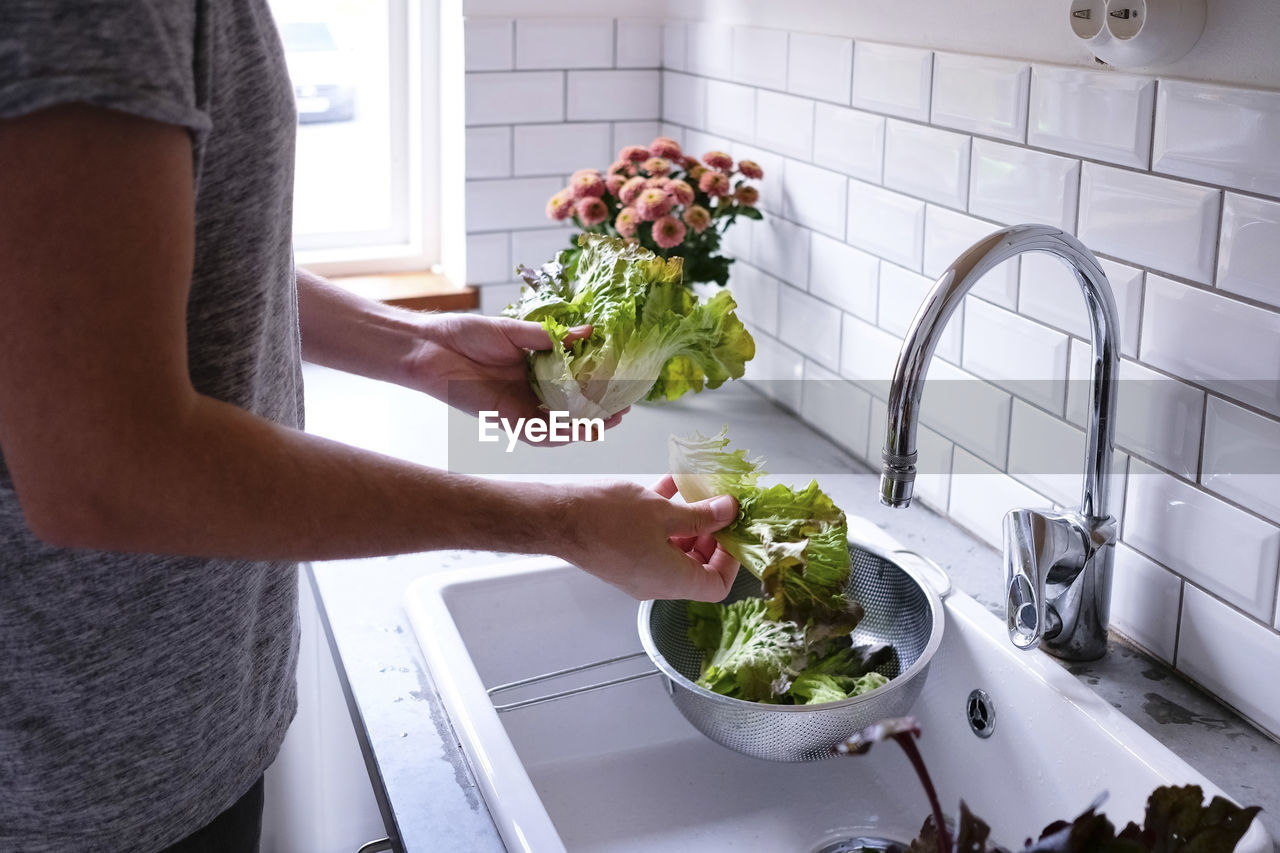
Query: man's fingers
707, 516
576, 333
712, 581
666, 487
615, 419
524, 333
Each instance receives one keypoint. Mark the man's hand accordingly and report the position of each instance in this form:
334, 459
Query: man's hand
648, 545
478, 363
472, 362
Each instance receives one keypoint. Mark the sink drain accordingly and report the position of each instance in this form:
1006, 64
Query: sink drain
863, 843
981, 712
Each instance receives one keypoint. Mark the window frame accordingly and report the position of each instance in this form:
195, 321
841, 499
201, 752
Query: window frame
414, 84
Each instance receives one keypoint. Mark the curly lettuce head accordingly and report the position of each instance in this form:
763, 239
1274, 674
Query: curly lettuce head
651, 338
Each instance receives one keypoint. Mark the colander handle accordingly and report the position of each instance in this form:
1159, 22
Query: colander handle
934, 575
548, 676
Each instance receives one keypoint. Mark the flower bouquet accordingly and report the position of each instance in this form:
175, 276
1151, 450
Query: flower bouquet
669, 203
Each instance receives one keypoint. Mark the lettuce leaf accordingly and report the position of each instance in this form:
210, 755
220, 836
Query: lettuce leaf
651, 339
746, 655
795, 542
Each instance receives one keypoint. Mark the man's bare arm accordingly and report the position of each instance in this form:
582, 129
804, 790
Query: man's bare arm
110, 446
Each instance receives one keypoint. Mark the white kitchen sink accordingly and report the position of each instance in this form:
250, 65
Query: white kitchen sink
620, 769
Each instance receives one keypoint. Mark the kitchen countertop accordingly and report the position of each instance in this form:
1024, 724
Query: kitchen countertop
426, 790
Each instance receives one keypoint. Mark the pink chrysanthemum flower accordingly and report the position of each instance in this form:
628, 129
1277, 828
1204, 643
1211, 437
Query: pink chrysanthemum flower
690, 162
714, 184
654, 203
668, 232
656, 166
697, 217
560, 205
592, 210
614, 183
718, 160
587, 183
747, 195
631, 189
665, 146
618, 167
660, 183
750, 169
634, 154
682, 192
695, 172
627, 221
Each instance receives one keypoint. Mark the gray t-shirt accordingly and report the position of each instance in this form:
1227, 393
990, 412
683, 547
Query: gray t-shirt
140, 695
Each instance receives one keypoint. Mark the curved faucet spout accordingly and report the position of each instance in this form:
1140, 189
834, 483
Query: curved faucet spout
898, 471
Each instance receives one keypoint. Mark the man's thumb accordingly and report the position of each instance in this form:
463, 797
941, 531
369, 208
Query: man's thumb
709, 516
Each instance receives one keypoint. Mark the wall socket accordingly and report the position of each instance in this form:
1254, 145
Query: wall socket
1138, 33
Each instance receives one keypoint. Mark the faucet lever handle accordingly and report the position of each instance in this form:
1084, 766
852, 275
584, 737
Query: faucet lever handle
1037, 542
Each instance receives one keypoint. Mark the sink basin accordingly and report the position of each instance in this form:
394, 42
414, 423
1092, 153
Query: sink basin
620, 769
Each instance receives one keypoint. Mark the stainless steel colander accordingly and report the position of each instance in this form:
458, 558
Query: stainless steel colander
902, 609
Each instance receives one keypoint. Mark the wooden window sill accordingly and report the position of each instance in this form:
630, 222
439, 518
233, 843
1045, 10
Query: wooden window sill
421, 291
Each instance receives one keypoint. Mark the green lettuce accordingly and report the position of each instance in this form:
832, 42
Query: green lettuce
651, 339
795, 542
746, 655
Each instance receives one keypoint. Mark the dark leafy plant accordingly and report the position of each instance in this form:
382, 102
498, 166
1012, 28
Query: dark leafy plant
1176, 820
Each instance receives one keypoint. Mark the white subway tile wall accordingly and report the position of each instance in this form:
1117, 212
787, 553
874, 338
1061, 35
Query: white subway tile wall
558, 149
814, 198
882, 164
1219, 135
1145, 599
1014, 185
1150, 221
731, 109
893, 80
639, 44
804, 319
1249, 256
846, 277
947, 234
1093, 114
488, 44
784, 123
885, 223
837, 408
926, 162
1225, 652
849, 141
1048, 292
489, 152
1046, 453
760, 57
623, 95
1242, 457
1211, 543
1232, 347
820, 67
557, 43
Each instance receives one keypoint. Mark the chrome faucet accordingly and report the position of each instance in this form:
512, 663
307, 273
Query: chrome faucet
1057, 564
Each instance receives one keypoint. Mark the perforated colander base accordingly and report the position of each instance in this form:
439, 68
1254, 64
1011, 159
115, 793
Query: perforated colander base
901, 610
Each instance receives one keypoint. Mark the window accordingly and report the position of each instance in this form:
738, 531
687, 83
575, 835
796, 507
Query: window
360, 200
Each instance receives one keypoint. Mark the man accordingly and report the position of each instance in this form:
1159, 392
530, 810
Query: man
156, 490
